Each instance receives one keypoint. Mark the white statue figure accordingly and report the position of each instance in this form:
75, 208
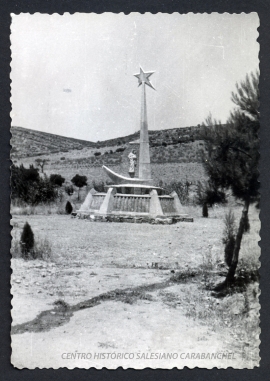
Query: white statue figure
132, 163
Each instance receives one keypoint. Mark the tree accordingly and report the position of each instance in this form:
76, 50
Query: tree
57, 180
247, 96
79, 182
22, 179
233, 154
27, 185
41, 163
45, 191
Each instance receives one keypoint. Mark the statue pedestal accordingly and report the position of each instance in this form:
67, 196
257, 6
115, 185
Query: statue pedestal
131, 202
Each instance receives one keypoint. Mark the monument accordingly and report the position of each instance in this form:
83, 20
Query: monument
134, 199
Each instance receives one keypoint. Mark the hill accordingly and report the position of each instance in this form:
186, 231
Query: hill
176, 154
26, 142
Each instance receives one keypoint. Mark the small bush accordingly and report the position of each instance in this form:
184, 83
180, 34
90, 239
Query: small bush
99, 186
61, 305
205, 210
181, 188
15, 246
69, 190
207, 193
121, 149
68, 208
42, 250
22, 210
57, 180
27, 241
183, 276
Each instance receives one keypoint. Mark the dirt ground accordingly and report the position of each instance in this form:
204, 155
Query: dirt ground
108, 289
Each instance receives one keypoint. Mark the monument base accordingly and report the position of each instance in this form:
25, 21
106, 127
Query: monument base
133, 203
159, 220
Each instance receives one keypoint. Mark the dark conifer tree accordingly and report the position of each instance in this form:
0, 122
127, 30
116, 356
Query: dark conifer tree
27, 241
233, 154
68, 208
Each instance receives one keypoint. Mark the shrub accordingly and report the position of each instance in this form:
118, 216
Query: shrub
205, 210
27, 241
99, 187
15, 246
28, 186
57, 180
181, 188
120, 149
43, 192
207, 193
69, 190
42, 250
68, 208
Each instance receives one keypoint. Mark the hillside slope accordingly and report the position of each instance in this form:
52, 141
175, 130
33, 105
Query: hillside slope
176, 154
26, 142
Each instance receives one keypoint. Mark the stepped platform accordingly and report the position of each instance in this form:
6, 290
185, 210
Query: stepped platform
133, 203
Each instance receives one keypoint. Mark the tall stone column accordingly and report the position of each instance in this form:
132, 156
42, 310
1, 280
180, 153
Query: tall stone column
144, 159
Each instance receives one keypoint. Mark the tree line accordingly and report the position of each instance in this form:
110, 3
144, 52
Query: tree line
28, 186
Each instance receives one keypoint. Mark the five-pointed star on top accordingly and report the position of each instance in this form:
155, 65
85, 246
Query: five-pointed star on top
144, 77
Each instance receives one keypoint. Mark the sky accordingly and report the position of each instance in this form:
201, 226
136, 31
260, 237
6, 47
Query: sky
73, 75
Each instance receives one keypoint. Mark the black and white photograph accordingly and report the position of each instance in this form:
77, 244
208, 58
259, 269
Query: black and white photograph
135, 198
